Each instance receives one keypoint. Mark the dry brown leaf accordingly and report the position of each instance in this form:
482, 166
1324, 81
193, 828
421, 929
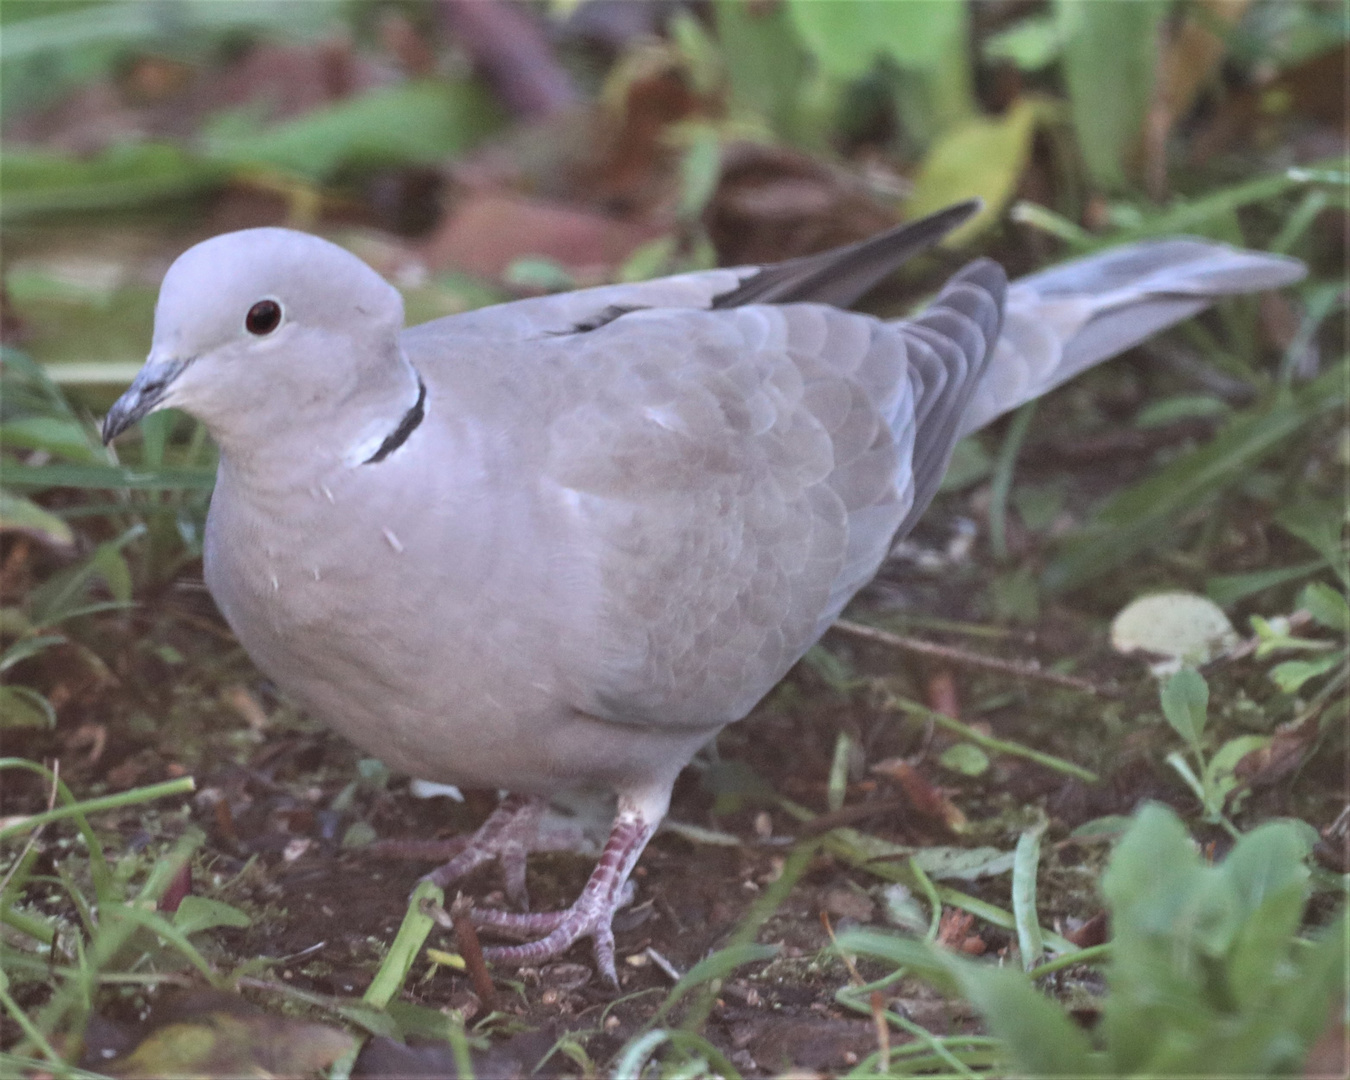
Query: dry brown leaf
489, 230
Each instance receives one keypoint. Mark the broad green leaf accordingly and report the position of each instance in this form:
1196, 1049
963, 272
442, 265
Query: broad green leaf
963, 864
1292, 674
425, 122
1265, 861
1029, 44
1152, 871
1039, 1038
965, 758
979, 157
1326, 605
198, 913
1109, 61
765, 62
1219, 778
846, 36
928, 40
1185, 700
66, 27
126, 174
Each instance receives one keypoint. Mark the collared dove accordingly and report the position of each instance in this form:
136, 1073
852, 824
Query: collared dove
560, 542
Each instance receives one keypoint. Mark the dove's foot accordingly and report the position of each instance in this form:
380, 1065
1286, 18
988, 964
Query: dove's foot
509, 834
591, 916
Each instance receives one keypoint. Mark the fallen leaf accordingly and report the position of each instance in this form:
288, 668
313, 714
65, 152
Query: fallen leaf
489, 230
217, 1035
980, 157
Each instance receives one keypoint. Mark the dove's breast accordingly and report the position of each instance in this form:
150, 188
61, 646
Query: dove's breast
430, 608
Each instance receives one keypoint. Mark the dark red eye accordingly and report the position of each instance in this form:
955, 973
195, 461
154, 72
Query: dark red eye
263, 317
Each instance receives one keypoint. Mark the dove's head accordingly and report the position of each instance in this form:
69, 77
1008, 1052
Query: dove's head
264, 329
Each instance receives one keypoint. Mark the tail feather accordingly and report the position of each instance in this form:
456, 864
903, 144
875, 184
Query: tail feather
1061, 321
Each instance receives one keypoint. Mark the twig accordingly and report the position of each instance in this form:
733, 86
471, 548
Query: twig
466, 935
988, 742
1023, 669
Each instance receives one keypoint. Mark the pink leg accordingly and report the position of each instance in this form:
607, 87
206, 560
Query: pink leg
509, 834
592, 914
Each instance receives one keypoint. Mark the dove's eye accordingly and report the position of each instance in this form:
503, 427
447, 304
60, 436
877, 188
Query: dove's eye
262, 318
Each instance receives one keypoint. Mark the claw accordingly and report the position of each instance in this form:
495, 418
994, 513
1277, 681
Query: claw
591, 916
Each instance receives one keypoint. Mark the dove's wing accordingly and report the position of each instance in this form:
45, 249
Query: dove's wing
738, 475
838, 277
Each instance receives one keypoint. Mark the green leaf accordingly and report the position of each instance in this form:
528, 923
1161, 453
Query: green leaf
978, 157
766, 65
1292, 674
1152, 871
1029, 44
1029, 939
24, 707
1037, 1035
1265, 861
1185, 700
398, 961
966, 759
1183, 407
846, 36
927, 40
58, 435
1327, 606
1218, 777
1228, 589
198, 913
1319, 526
126, 174
164, 478
26, 647
426, 121
18, 514
1109, 62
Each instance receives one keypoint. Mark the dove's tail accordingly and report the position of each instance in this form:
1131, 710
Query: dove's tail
1061, 321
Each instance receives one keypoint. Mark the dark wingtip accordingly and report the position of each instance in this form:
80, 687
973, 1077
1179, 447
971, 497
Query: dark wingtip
841, 276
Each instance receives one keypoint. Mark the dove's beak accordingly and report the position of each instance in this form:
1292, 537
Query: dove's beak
143, 396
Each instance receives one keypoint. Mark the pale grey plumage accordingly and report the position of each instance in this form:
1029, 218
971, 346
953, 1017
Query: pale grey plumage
619, 515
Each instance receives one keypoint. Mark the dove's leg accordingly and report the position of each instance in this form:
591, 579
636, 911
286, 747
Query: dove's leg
593, 913
509, 834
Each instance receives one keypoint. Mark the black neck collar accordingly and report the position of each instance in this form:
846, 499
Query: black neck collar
411, 419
